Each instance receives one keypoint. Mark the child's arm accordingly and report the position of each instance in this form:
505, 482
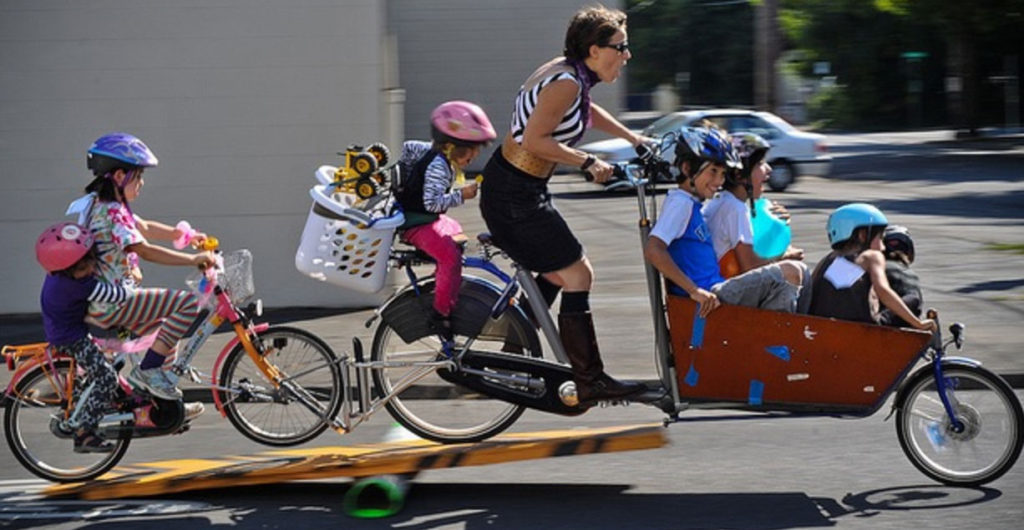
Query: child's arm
747, 258
166, 256
436, 181
656, 252
874, 262
156, 230
108, 293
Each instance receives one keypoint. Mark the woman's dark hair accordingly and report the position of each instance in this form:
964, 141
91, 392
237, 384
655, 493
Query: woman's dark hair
591, 25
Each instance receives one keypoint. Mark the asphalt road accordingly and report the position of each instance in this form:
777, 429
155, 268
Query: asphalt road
957, 198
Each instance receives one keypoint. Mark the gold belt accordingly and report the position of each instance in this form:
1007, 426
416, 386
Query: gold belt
524, 160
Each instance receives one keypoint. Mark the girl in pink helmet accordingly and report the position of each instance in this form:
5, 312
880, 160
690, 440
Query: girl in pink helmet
65, 251
459, 130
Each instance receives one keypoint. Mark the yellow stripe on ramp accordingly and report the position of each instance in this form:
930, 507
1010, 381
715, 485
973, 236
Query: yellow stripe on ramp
173, 476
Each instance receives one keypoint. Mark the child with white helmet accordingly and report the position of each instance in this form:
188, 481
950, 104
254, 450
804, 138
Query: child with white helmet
732, 231
850, 282
117, 161
459, 130
65, 251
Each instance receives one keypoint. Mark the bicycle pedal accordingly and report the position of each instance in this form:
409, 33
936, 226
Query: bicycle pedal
193, 375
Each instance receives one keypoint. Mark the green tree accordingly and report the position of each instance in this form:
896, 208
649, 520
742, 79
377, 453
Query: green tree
710, 40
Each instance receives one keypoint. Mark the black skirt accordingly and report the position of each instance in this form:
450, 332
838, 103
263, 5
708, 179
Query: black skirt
523, 221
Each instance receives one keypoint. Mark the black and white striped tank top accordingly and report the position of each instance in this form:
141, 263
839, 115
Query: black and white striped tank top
570, 127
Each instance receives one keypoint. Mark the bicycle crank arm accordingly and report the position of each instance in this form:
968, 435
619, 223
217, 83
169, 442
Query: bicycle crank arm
533, 383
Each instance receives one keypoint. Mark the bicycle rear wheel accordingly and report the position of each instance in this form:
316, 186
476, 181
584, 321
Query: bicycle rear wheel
990, 441
432, 407
295, 411
38, 437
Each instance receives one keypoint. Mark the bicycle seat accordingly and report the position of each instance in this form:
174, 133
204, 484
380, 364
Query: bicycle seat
410, 255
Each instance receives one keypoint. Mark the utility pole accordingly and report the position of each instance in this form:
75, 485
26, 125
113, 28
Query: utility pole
765, 53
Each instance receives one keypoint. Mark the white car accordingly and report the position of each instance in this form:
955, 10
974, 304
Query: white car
794, 152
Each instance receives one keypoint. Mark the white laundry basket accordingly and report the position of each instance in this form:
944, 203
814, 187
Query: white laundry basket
344, 245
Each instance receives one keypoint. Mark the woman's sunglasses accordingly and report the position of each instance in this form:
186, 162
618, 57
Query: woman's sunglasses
621, 47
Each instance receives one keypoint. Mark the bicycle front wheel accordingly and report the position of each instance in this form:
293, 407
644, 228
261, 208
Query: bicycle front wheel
988, 444
299, 407
425, 403
38, 436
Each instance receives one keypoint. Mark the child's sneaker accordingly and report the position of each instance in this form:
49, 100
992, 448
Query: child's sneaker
193, 410
154, 380
92, 443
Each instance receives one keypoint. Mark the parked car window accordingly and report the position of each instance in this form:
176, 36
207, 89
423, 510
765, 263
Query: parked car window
752, 124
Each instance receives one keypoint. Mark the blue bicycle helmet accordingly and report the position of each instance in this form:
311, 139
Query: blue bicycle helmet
701, 145
118, 151
846, 219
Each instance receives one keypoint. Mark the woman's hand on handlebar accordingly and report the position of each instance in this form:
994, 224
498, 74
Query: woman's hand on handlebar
601, 171
644, 147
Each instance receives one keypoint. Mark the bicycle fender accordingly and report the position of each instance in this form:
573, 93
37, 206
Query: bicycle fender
409, 313
930, 368
215, 375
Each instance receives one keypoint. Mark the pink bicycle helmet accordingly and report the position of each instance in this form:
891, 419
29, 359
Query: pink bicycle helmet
461, 123
62, 245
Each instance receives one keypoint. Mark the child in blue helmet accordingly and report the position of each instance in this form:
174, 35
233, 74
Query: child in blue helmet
117, 161
850, 282
680, 244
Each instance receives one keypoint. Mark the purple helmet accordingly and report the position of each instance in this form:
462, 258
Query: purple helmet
119, 151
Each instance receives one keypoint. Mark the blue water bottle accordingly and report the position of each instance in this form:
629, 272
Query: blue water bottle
771, 234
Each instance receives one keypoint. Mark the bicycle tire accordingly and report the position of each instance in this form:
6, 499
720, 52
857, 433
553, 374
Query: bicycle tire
29, 429
434, 408
991, 441
275, 416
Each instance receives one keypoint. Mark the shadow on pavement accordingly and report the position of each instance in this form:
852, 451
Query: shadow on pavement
548, 506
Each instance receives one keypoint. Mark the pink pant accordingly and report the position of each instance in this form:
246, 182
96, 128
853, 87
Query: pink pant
436, 240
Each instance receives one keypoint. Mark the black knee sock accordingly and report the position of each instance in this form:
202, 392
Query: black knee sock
547, 289
575, 302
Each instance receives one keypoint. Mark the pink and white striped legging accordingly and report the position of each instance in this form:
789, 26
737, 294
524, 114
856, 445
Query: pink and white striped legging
173, 311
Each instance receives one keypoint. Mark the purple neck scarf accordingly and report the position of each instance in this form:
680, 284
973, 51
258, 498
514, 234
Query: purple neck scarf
588, 78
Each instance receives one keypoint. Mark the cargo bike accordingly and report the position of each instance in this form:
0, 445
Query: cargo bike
956, 421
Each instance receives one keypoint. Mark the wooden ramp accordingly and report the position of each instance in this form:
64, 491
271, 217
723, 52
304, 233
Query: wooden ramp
175, 476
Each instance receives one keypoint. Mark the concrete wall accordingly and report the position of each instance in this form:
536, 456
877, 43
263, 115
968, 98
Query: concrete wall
240, 99
481, 52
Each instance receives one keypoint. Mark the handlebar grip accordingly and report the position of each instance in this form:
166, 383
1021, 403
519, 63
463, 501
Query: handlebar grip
619, 170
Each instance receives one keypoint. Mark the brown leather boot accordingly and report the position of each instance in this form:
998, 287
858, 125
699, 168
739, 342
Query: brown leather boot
580, 341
